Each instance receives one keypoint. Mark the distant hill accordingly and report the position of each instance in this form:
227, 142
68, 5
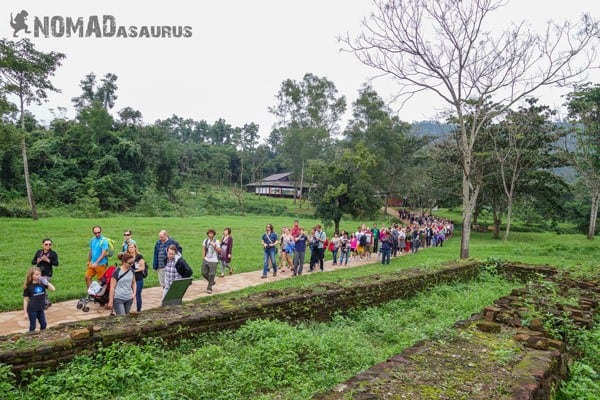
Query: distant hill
430, 128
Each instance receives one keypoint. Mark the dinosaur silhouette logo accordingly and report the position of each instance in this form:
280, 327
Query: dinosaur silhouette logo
18, 22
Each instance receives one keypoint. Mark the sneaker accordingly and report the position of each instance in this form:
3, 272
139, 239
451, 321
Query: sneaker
209, 291
230, 271
274, 273
222, 276
263, 277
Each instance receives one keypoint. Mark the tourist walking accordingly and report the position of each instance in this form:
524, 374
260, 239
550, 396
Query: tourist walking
45, 259
210, 259
34, 297
97, 256
385, 241
300, 242
320, 236
127, 240
160, 254
225, 252
175, 267
287, 249
122, 286
141, 271
269, 243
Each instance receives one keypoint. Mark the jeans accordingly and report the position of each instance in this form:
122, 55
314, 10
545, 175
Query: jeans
298, 262
344, 256
225, 264
385, 256
122, 307
335, 254
269, 255
39, 316
139, 285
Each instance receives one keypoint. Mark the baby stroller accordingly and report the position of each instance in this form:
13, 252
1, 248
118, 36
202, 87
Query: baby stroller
97, 292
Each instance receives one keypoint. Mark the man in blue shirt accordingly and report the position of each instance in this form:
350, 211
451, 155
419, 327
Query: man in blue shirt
160, 254
97, 259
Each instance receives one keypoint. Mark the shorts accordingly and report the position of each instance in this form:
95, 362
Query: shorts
98, 272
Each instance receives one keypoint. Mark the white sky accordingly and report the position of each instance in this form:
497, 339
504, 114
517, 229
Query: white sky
239, 53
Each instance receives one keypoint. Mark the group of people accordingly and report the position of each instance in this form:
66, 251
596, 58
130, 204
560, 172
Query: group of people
293, 243
37, 283
385, 242
127, 281
168, 262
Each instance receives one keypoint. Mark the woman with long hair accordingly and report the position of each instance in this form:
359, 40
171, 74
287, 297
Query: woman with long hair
226, 248
141, 271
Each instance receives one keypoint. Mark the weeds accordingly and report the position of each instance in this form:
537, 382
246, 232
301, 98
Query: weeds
584, 373
264, 359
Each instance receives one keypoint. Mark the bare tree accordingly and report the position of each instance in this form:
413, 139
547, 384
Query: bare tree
442, 47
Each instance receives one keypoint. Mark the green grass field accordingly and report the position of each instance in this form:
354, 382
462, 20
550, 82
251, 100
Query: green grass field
70, 235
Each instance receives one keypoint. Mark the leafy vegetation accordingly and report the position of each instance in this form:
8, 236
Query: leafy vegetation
263, 359
584, 372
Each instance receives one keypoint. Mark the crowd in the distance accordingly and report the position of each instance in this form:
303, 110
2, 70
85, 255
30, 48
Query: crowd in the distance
125, 282
385, 242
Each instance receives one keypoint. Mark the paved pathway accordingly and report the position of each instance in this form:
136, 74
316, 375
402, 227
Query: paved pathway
66, 311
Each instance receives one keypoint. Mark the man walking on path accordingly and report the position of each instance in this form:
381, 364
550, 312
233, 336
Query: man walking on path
160, 254
210, 259
97, 259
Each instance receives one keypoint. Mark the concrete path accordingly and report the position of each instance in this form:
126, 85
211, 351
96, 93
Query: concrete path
66, 311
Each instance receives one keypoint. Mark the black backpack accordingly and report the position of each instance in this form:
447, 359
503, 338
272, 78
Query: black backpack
183, 268
363, 240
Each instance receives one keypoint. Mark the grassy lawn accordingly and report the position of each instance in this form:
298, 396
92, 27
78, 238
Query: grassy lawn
70, 235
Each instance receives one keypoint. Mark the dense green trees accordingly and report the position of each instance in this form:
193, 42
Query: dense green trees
584, 152
25, 72
106, 160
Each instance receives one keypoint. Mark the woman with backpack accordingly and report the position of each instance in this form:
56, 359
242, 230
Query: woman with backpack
175, 267
122, 286
141, 271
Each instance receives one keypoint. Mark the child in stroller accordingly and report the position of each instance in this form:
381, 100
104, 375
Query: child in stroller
98, 291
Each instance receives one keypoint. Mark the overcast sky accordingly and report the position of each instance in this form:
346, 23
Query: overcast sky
239, 53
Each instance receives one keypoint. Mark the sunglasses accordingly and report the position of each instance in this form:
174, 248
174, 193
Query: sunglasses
127, 234
97, 233
47, 244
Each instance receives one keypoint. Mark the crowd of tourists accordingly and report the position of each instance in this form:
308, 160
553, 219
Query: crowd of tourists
126, 281
422, 231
